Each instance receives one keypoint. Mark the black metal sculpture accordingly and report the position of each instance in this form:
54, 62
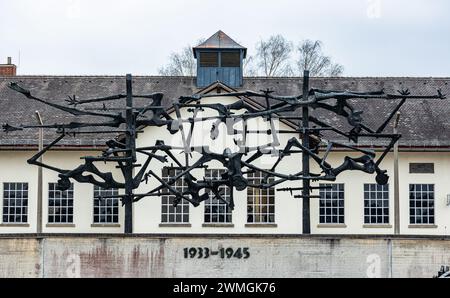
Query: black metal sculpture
130, 120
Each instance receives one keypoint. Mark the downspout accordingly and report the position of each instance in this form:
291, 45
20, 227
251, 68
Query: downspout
396, 181
39, 186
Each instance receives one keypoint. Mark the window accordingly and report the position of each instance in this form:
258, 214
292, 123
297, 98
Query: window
209, 59
331, 204
169, 213
421, 168
421, 203
60, 204
216, 211
260, 202
15, 202
376, 204
230, 59
106, 209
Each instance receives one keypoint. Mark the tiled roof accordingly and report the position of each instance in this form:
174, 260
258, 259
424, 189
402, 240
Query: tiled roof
423, 123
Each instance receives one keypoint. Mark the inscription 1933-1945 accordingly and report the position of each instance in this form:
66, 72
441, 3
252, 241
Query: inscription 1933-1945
224, 253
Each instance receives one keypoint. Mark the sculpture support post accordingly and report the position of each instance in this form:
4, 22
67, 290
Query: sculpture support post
131, 146
306, 229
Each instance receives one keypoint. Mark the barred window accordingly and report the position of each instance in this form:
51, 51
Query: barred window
230, 59
209, 59
169, 213
376, 204
260, 202
216, 211
60, 204
106, 209
15, 202
331, 204
421, 203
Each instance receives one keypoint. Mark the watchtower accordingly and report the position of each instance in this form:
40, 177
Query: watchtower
219, 58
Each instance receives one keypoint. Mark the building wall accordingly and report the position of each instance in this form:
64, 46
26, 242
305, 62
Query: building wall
14, 168
288, 215
269, 256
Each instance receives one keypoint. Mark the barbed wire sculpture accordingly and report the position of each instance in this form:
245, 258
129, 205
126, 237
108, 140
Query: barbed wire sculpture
128, 122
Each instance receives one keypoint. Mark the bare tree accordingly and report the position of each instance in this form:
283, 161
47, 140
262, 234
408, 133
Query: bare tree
335, 70
273, 56
310, 57
249, 67
180, 64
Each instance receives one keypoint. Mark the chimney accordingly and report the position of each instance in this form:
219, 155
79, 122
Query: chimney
8, 69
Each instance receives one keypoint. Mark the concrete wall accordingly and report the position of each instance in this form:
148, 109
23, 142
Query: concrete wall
270, 256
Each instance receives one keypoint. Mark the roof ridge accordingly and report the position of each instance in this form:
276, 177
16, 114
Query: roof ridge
249, 78
95, 76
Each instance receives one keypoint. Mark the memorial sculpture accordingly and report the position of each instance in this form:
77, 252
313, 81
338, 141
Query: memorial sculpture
309, 144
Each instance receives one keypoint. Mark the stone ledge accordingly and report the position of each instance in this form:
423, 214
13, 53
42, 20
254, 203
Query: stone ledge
15, 225
107, 225
341, 226
377, 226
175, 225
422, 226
218, 225
60, 225
261, 225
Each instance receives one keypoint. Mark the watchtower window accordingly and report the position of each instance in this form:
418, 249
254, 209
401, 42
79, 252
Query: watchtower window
230, 59
209, 59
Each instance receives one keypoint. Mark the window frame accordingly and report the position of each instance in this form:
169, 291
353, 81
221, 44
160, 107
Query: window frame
323, 208
7, 200
166, 205
266, 198
212, 201
413, 191
103, 205
374, 196
58, 195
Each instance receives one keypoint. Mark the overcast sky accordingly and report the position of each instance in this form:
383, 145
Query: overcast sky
82, 37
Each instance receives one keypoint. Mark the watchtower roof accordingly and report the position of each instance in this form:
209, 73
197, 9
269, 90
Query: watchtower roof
220, 40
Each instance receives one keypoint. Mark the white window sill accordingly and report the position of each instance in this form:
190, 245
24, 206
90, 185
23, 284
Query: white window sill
105, 225
418, 226
15, 225
217, 225
175, 225
377, 226
261, 225
339, 226
60, 225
